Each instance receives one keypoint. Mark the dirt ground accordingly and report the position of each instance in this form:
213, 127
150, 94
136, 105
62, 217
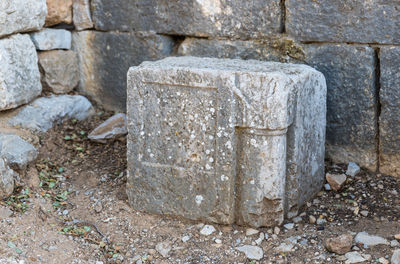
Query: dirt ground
71, 207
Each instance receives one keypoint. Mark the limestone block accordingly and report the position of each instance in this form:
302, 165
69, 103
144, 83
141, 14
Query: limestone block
59, 70
344, 21
19, 72
225, 140
104, 60
237, 19
50, 39
82, 18
350, 74
21, 16
58, 11
389, 120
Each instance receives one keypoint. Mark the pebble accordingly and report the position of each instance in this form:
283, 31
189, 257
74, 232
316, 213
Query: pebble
383, 260
312, 219
394, 243
370, 240
289, 226
163, 248
352, 169
340, 245
218, 241
98, 207
284, 248
277, 230
397, 236
336, 181
364, 213
327, 187
65, 212
251, 231
321, 221
354, 257
260, 239
207, 230
5, 212
395, 257
297, 219
251, 252
185, 239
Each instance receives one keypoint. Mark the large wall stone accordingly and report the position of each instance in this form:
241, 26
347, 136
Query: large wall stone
21, 16
389, 121
58, 11
350, 74
105, 57
241, 19
344, 21
19, 72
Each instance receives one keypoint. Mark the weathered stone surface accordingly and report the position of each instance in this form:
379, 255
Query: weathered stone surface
243, 19
105, 58
191, 120
350, 75
251, 252
6, 179
336, 181
59, 70
112, 128
344, 21
43, 112
351, 103
340, 245
352, 169
395, 259
389, 119
370, 240
58, 11
82, 18
21, 16
16, 151
19, 72
50, 39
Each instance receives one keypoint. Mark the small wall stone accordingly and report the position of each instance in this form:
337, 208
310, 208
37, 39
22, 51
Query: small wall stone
19, 72
59, 11
389, 119
51, 39
82, 18
105, 57
344, 21
225, 140
238, 19
59, 70
21, 16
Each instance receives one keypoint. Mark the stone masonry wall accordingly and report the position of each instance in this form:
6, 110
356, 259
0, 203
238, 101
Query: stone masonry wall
354, 43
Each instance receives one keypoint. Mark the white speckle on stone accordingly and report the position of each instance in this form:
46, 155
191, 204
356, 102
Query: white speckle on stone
199, 199
224, 178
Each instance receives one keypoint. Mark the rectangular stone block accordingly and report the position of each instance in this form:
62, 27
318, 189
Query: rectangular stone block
104, 60
344, 21
21, 16
52, 39
19, 72
225, 140
350, 74
389, 120
238, 19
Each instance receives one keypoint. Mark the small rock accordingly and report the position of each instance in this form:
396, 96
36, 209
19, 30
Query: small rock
7, 176
369, 240
260, 239
297, 219
397, 236
207, 230
277, 230
354, 257
98, 207
336, 181
364, 213
327, 187
284, 248
5, 212
352, 169
383, 260
163, 248
185, 239
289, 226
340, 245
394, 243
312, 219
51, 39
218, 241
395, 257
16, 151
251, 252
321, 221
251, 231
112, 128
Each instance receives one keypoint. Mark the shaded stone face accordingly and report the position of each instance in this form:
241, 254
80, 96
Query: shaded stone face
389, 119
344, 21
209, 139
189, 17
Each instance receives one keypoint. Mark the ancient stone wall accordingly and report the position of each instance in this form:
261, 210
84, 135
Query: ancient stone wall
354, 43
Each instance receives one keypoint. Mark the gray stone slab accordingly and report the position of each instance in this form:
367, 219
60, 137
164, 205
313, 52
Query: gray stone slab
59, 70
18, 16
344, 21
238, 19
19, 72
51, 39
105, 57
16, 151
222, 140
350, 74
389, 120
42, 113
